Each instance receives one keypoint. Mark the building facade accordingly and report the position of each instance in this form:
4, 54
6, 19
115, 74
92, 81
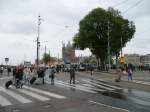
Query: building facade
132, 58
137, 59
145, 59
68, 53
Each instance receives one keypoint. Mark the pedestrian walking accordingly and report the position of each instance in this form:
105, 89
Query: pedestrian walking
52, 74
1, 71
41, 74
19, 77
130, 74
91, 69
72, 75
9, 70
26, 75
120, 72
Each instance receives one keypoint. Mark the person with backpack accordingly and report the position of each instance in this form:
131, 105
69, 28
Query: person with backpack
52, 74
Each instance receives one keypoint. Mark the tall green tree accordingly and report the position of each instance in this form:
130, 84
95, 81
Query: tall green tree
46, 58
94, 28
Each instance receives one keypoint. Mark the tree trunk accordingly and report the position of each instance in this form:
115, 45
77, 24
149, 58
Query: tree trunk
117, 63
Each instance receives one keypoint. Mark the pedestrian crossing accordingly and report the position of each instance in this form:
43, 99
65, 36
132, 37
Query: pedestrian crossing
87, 85
26, 95
30, 94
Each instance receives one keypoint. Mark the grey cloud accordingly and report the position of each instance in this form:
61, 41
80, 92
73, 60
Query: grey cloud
17, 27
24, 28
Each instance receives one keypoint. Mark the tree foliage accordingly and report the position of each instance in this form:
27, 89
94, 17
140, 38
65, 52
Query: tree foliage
46, 58
94, 28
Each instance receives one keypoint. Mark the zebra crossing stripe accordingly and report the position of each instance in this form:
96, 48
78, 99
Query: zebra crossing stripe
114, 87
106, 88
45, 92
82, 89
85, 87
88, 85
4, 101
34, 95
141, 82
16, 96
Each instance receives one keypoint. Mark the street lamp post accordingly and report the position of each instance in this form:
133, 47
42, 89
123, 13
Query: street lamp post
38, 40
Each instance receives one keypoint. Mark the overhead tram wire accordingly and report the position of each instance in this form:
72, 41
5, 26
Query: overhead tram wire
120, 3
136, 4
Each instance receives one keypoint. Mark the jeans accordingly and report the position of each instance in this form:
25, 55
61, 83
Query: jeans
129, 77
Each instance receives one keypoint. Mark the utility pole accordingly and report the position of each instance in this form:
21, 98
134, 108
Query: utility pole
108, 46
38, 40
58, 58
45, 55
49, 57
45, 49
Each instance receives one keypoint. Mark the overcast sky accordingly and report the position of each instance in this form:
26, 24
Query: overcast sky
18, 28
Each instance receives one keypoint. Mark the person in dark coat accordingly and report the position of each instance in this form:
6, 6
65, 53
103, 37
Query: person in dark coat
72, 75
53, 71
41, 74
91, 69
9, 70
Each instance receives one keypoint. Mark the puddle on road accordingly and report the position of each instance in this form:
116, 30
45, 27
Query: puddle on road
114, 94
139, 97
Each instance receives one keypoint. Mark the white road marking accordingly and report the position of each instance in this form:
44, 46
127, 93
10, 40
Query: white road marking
34, 95
82, 89
139, 82
88, 85
3, 78
103, 87
101, 104
16, 96
4, 101
45, 92
114, 87
85, 87
75, 81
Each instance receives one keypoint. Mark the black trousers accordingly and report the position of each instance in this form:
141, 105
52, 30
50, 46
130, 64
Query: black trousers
72, 77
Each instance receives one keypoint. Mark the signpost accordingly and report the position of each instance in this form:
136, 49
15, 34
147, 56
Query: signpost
6, 61
122, 60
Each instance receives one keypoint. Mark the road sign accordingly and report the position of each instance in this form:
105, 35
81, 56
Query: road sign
27, 64
6, 60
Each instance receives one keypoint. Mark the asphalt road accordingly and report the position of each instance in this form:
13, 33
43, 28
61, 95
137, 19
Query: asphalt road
89, 94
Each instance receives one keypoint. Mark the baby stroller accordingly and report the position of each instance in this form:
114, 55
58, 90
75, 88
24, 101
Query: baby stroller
18, 83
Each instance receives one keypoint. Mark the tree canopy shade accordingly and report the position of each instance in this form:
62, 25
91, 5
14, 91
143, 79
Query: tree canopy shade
94, 28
